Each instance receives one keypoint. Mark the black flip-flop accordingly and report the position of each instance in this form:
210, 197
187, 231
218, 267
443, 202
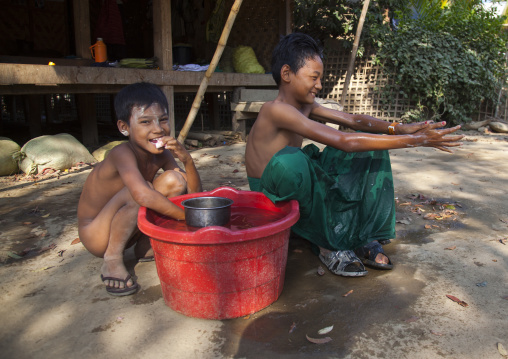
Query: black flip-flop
368, 254
146, 259
119, 292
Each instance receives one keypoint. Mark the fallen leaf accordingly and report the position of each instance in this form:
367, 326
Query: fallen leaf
235, 171
404, 221
494, 260
247, 317
479, 264
46, 215
436, 333
348, 293
44, 249
76, 241
457, 300
27, 223
320, 271
405, 204
325, 330
318, 340
13, 255
431, 216
449, 206
412, 319
428, 226
451, 248
292, 328
501, 349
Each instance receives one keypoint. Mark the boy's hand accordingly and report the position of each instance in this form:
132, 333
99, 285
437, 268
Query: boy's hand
433, 137
176, 149
410, 128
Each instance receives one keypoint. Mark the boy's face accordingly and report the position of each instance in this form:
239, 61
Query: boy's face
147, 125
307, 80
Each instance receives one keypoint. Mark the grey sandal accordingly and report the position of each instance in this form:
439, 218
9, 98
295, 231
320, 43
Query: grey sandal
344, 263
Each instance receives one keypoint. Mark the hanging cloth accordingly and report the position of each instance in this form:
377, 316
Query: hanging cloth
109, 24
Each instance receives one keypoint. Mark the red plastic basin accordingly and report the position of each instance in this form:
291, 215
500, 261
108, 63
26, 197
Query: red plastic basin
220, 272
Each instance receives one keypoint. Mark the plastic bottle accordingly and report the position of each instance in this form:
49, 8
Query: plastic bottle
98, 50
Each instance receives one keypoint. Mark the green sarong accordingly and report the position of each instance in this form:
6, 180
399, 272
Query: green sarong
346, 199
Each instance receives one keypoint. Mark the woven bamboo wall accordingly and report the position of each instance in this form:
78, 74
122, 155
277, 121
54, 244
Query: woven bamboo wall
364, 94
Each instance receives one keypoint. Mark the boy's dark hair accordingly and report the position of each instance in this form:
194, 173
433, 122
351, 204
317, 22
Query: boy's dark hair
294, 50
141, 94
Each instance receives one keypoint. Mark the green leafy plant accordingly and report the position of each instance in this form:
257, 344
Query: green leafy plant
447, 59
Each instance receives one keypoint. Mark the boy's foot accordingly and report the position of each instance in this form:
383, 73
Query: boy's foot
372, 255
117, 279
117, 291
344, 263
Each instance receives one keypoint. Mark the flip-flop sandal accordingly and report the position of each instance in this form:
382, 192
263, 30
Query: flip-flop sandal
384, 242
368, 254
119, 292
344, 263
146, 259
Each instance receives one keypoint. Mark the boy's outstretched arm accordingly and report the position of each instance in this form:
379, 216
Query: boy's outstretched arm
289, 118
364, 123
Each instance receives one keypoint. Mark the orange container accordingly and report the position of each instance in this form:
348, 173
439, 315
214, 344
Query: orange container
222, 272
99, 51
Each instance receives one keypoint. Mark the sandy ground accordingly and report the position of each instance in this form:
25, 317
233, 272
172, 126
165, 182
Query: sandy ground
53, 304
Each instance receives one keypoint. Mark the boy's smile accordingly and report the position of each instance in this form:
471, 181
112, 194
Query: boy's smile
149, 124
307, 81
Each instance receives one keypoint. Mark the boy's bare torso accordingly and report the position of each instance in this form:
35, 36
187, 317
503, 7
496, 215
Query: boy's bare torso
266, 138
105, 181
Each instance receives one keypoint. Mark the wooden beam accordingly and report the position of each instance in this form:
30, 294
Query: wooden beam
82, 35
21, 74
163, 50
88, 118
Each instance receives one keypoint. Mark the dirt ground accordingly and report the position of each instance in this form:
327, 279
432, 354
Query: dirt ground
53, 304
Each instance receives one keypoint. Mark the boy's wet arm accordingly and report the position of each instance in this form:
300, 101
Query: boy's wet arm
355, 122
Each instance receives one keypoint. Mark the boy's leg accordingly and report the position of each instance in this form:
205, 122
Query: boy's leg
108, 234
170, 184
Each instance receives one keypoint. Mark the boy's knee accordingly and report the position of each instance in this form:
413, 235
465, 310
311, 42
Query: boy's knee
171, 184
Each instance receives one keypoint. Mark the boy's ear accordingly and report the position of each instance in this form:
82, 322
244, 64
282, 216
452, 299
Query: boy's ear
122, 127
284, 73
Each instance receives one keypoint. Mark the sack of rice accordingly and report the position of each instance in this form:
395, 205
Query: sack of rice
101, 153
8, 165
245, 61
57, 152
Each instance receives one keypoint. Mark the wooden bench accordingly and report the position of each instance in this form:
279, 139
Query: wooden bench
246, 104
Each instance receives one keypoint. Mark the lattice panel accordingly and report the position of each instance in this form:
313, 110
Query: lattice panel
364, 93
257, 25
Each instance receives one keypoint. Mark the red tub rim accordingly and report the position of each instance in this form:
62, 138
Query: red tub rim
209, 235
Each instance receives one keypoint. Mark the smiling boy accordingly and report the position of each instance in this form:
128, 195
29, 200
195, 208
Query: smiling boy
345, 192
126, 179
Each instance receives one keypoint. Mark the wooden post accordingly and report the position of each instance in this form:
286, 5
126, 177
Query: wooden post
351, 65
213, 64
85, 102
163, 50
34, 115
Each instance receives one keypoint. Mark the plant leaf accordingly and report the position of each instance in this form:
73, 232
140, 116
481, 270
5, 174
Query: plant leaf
457, 300
318, 340
325, 330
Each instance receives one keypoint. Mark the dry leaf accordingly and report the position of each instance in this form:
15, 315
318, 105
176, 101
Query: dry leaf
320, 271
436, 333
292, 328
27, 223
412, 319
457, 300
76, 241
348, 293
325, 330
45, 216
501, 349
247, 317
431, 216
318, 340
428, 226
405, 204
235, 171
451, 248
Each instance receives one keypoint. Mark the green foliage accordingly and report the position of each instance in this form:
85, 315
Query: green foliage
448, 60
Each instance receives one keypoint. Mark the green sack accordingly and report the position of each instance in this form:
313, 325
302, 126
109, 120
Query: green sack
58, 152
245, 61
101, 153
8, 165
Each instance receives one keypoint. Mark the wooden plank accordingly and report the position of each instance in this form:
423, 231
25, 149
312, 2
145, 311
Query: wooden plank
88, 118
82, 35
22, 74
247, 106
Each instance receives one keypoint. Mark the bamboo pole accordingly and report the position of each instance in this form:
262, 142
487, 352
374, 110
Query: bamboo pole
352, 59
213, 64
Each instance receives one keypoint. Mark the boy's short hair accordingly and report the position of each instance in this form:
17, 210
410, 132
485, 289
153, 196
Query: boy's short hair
294, 50
142, 94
